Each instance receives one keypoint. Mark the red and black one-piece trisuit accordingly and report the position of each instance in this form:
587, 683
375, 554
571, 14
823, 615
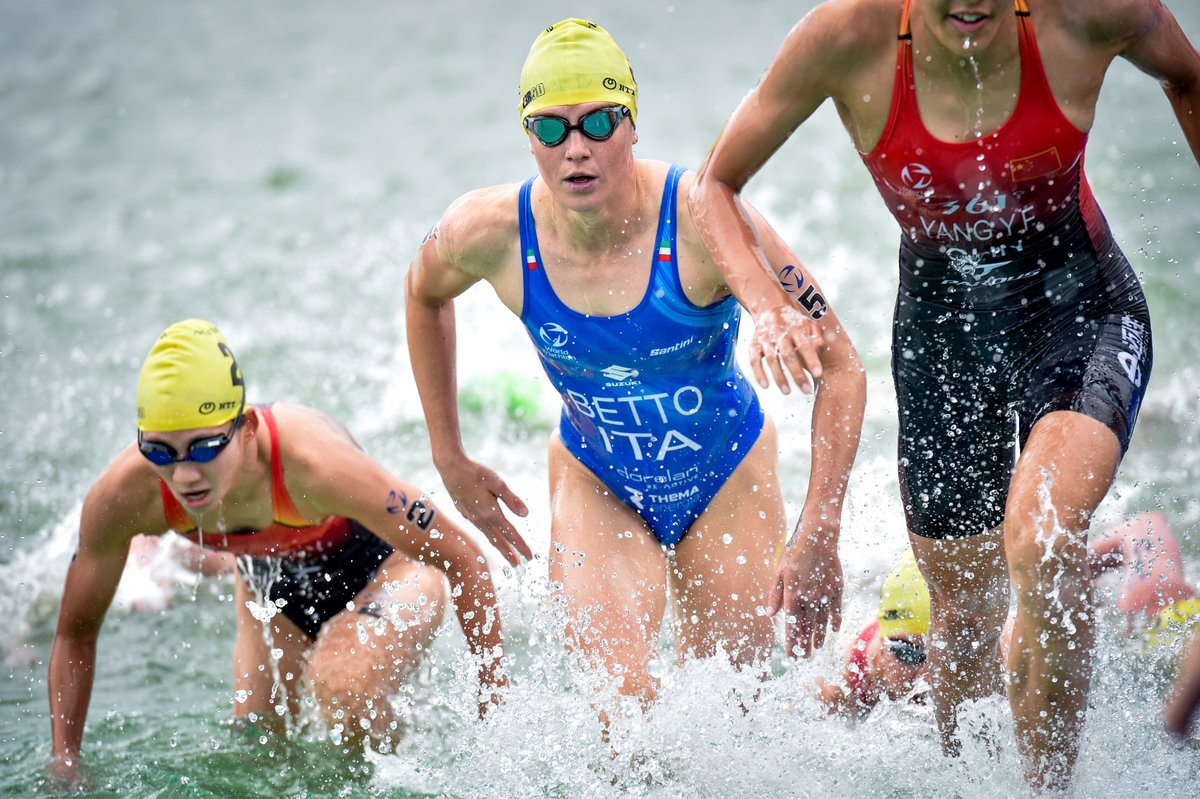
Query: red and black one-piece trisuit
313, 569
1014, 300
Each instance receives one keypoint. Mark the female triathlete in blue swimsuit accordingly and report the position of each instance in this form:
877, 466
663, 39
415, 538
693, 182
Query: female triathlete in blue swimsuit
663, 473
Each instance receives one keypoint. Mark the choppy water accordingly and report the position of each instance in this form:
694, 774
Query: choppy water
272, 166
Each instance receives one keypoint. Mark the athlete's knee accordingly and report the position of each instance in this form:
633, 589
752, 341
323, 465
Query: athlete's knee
967, 628
966, 617
1048, 564
347, 684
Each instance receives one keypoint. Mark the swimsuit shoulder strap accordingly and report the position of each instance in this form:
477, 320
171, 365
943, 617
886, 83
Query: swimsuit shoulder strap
532, 276
667, 216
904, 82
282, 507
905, 27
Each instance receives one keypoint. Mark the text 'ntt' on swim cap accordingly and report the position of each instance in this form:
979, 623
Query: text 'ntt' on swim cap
189, 380
573, 62
904, 600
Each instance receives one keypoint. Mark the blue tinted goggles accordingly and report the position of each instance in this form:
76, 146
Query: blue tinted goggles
202, 450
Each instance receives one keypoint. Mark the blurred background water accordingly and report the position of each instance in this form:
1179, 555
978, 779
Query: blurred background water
272, 166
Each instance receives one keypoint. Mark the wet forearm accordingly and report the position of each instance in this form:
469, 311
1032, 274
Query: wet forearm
431, 345
478, 611
72, 670
837, 420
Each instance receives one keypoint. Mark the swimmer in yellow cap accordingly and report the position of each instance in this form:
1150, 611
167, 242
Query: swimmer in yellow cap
1160, 606
887, 658
1163, 607
664, 486
328, 542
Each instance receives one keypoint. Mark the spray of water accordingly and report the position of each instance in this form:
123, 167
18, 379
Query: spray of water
976, 124
261, 574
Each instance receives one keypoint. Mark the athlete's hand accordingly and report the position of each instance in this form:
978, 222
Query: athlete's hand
785, 341
808, 590
478, 493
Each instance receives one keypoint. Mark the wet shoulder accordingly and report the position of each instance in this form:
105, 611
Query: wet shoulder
124, 501
841, 49
478, 226
853, 31
306, 434
1103, 23
317, 453
307, 421
1077, 42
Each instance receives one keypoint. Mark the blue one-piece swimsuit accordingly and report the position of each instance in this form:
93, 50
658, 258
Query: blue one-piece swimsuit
653, 402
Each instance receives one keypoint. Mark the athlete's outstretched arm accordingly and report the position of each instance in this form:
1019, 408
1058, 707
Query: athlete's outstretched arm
335, 477
809, 584
478, 492
790, 91
104, 535
1160, 48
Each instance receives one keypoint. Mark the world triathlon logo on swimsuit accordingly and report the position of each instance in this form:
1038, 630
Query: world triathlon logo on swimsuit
553, 334
917, 176
554, 338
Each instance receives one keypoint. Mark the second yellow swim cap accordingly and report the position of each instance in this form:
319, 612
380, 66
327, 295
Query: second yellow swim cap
904, 600
1172, 626
573, 62
189, 380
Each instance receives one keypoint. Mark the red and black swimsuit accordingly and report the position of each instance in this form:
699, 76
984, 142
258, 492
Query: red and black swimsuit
315, 568
1014, 301
290, 535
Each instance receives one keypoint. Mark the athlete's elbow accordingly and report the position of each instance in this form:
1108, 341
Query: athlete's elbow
707, 189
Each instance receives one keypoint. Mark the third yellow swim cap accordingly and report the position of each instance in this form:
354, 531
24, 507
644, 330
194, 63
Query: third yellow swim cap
189, 380
573, 62
1172, 626
904, 600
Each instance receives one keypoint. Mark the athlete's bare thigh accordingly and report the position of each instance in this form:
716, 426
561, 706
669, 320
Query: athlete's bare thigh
723, 569
611, 569
262, 680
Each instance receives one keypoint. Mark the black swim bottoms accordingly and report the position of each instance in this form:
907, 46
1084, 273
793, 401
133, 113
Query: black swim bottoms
315, 588
972, 381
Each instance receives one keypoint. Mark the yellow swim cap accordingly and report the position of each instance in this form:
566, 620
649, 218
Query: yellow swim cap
1172, 625
573, 62
189, 380
904, 600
